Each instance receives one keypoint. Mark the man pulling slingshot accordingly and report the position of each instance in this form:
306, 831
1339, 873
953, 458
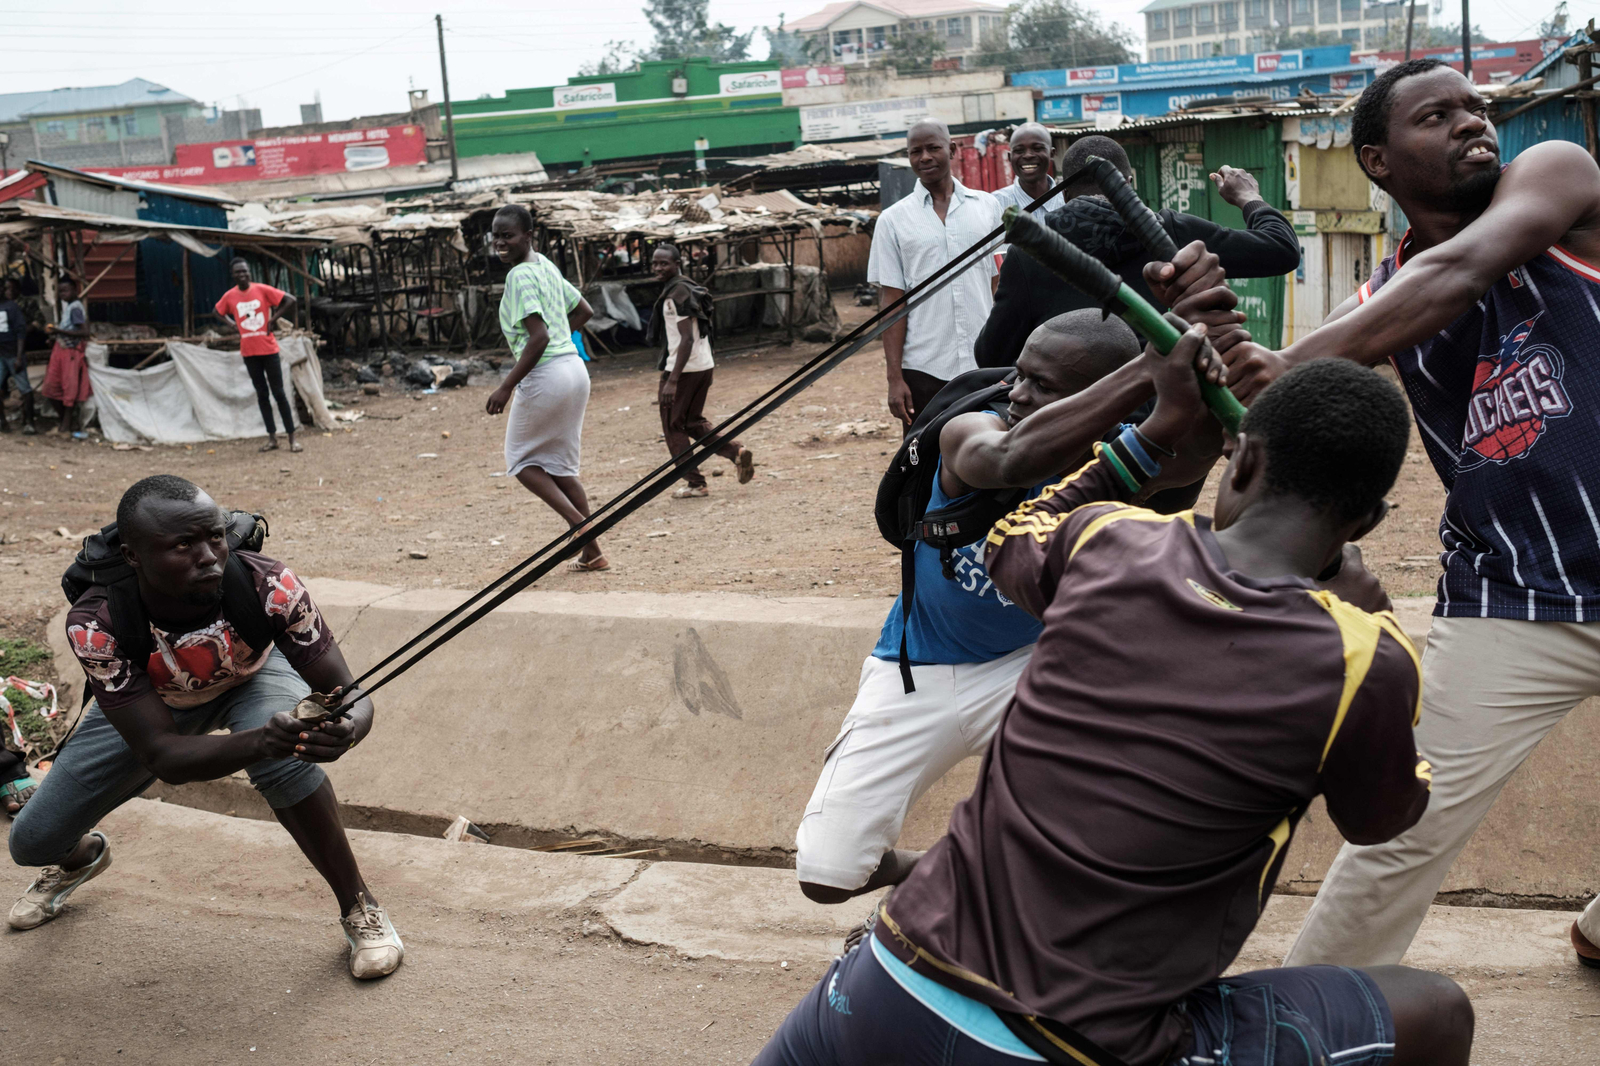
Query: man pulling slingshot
1192, 691
199, 638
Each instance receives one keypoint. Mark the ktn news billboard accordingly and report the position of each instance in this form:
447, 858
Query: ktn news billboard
298, 156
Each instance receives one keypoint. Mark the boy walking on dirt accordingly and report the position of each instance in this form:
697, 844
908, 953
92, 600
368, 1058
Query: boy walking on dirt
686, 370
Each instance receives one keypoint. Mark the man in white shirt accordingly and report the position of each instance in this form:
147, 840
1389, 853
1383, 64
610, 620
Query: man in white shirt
939, 220
1030, 161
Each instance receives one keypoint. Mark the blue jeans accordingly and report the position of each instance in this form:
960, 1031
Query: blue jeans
97, 772
13, 375
857, 1015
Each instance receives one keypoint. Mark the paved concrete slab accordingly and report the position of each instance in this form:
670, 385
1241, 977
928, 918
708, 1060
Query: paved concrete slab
701, 719
724, 912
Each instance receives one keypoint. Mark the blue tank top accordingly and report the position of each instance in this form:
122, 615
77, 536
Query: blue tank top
1506, 398
960, 621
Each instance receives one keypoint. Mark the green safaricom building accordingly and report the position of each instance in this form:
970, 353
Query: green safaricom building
665, 108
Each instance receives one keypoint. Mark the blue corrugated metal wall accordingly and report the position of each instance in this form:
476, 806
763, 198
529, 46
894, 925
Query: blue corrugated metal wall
1559, 120
161, 262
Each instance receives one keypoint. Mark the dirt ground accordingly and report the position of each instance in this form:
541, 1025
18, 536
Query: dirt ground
418, 474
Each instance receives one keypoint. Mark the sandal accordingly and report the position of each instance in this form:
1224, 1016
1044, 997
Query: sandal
297, 447
746, 462
14, 795
578, 566
691, 492
270, 446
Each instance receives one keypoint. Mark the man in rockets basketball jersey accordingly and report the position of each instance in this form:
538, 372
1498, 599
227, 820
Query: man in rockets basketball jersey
1489, 310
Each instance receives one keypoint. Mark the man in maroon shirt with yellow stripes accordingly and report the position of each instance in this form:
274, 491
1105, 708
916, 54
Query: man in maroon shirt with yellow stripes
1194, 688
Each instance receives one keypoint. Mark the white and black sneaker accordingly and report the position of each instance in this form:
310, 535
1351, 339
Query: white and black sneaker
49, 891
375, 948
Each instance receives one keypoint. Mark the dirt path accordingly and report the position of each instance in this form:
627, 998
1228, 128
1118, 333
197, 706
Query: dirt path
355, 504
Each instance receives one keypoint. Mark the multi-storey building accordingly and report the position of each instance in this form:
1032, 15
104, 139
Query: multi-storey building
1181, 29
135, 122
857, 31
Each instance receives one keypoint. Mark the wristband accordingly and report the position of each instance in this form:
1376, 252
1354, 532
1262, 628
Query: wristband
1107, 455
1128, 441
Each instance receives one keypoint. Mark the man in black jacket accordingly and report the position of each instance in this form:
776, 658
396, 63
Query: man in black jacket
1029, 294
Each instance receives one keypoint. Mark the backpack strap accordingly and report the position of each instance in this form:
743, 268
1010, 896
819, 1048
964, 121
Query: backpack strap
130, 623
242, 606
908, 592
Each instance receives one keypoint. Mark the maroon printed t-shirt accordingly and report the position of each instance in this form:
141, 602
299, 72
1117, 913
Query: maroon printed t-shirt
1175, 720
251, 311
188, 668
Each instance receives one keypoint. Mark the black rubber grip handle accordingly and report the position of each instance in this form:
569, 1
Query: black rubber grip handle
1061, 256
1143, 221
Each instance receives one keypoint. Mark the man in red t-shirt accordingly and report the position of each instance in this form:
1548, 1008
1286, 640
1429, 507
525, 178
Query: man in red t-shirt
255, 308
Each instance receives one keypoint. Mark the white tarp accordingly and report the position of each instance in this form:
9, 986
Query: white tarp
202, 394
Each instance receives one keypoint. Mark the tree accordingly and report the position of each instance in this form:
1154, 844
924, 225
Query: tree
1556, 24
682, 32
914, 51
620, 56
1394, 39
792, 49
1056, 33
1281, 40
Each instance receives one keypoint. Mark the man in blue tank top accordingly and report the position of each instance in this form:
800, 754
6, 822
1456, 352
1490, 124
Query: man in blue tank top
1489, 311
967, 643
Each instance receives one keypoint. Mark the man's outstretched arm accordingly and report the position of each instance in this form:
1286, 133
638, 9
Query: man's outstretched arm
1549, 190
980, 453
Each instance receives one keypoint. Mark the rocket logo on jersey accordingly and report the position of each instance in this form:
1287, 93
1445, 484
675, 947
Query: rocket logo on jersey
1515, 392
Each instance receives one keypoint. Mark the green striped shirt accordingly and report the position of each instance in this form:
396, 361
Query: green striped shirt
537, 288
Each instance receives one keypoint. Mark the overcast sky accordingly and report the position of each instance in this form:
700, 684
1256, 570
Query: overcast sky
362, 55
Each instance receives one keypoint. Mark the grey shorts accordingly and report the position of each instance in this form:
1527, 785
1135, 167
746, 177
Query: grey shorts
97, 772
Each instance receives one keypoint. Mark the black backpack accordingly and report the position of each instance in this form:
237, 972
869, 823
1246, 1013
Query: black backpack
903, 494
100, 562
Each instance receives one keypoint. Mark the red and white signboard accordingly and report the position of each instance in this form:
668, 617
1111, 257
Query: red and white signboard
811, 77
1273, 62
267, 158
1091, 76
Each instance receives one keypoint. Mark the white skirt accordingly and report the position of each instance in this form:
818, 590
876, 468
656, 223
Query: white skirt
544, 424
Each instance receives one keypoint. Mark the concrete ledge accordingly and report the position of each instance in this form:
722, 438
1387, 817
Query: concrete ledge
699, 721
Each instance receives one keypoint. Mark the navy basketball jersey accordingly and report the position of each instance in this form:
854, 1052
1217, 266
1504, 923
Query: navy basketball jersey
1507, 398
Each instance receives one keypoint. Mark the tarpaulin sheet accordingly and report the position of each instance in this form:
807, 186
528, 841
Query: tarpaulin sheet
202, 394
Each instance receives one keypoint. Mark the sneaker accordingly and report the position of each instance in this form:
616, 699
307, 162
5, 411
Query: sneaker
375, 948
691, 492
49, 891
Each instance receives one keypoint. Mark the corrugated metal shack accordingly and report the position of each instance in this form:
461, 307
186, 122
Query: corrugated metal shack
421, 271
1563, 102
1171, 159
150, 261
744, 247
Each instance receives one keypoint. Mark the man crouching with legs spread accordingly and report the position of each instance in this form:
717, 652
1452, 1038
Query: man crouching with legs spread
151, 719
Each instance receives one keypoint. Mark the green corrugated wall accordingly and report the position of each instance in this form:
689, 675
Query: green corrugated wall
646, 120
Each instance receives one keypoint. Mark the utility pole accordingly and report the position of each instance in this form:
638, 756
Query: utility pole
1411, 18
450, 119
1466, 41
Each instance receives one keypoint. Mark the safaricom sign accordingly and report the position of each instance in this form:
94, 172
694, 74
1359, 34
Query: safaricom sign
587, 95
760, 81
